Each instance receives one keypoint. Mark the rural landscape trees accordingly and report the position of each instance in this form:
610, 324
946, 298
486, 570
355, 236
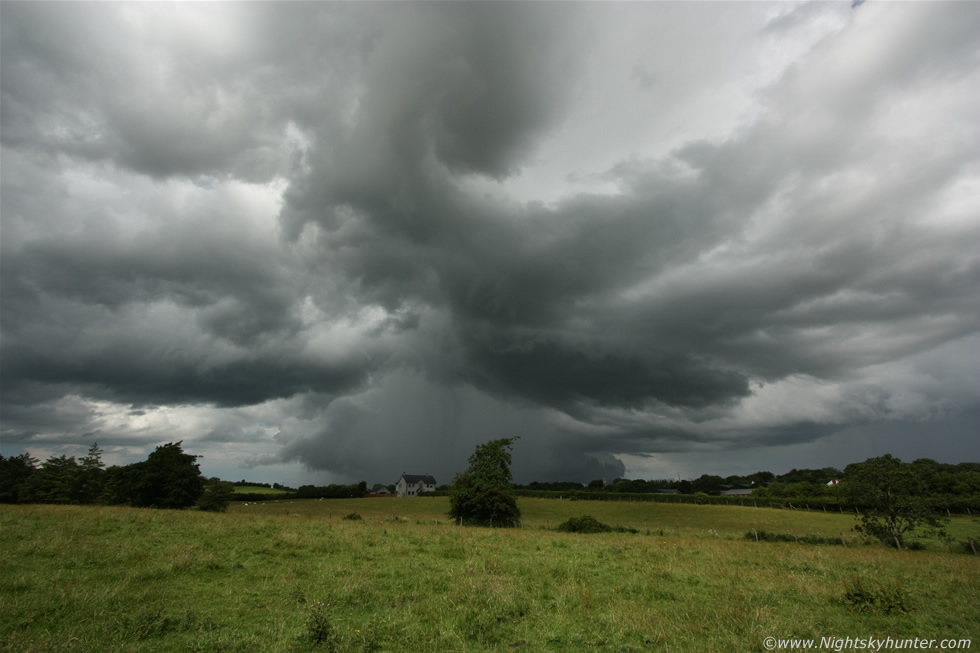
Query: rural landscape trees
891, 499
894, 497
168, 478
482, 495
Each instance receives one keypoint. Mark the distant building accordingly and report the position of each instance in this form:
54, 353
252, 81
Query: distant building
410, 485
737, 492
833, 481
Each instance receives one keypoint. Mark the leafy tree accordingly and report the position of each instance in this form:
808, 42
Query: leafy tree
216, 496
14, 472
91, 475
168, 478
54, 482
893, 498
117, 484
482, 495
707, 483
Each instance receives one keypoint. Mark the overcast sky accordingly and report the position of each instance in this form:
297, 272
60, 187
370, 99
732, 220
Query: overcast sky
332, 242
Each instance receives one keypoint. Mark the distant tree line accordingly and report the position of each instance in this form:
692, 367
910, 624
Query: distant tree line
244, 483
706, 483
954, 487
168, 478
171, 478
332, 491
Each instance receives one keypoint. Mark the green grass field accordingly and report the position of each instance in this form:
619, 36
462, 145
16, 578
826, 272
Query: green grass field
255, 489
295, 575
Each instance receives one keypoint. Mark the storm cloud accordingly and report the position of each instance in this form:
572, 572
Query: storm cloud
359, 239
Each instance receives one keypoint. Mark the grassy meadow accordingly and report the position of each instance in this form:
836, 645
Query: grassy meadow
296, 576
258, 489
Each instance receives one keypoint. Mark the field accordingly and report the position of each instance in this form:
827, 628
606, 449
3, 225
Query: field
296, 575
258, 489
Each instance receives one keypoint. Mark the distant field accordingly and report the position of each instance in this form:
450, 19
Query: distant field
675, 518
248, 489
275, 576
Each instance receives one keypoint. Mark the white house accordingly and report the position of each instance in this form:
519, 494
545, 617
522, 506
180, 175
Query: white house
410, 485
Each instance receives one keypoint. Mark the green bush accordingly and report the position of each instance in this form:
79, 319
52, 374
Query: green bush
766, 536
584, 524
216, 496
353, 517
874, 597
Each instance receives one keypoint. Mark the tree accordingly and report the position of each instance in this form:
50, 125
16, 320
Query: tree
117, 484
168, 478
14, 473
56, 481
91, 475
216, 496
482, 495
893, 498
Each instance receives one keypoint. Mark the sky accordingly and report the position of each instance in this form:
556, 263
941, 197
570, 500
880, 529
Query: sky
330, 242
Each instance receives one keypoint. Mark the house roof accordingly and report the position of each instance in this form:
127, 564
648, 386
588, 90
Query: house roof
419, 478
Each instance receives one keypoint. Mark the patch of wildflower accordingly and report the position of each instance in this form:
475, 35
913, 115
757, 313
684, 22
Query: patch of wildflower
318, 626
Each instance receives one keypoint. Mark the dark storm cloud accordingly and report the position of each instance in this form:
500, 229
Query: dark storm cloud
298, 227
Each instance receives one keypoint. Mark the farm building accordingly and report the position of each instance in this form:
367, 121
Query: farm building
410, 485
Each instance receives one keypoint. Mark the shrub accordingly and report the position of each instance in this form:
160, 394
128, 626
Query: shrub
216, 496
584, 524
353, 517
874, 597
766, 536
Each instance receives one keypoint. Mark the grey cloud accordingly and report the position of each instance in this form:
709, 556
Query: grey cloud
399, 306
88, 81
409, 423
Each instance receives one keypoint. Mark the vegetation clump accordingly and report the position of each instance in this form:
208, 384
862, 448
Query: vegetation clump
874, 597
584, 524
318, 627
589, 524
766, 536
216, 496
354, 516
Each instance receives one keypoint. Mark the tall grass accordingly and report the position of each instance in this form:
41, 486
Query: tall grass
297, 576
